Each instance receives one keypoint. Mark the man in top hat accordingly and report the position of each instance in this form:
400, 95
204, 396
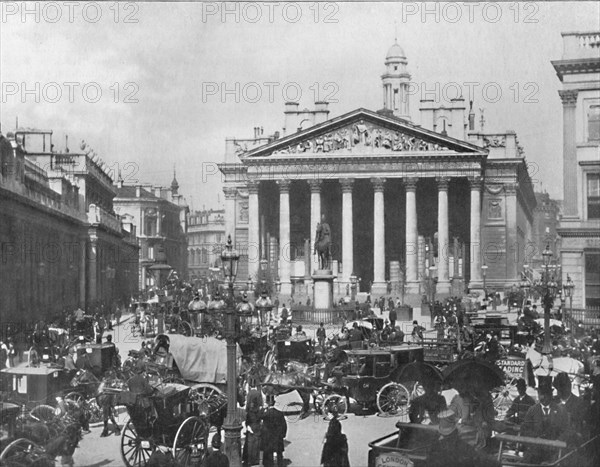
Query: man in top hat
215, 458
275, 430
575, 406
518, 409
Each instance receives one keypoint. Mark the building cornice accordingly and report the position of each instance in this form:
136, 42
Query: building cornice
576, 66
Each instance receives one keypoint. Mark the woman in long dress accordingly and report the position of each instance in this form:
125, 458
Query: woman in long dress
335, 449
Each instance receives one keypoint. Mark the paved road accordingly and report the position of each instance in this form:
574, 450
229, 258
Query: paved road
303, 442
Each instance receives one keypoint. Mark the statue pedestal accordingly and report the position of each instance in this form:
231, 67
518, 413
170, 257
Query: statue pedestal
323, 289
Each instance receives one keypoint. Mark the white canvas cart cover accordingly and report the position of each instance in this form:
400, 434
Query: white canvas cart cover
200, 359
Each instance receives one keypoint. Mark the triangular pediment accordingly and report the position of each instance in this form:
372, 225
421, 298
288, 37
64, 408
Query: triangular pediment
361, 132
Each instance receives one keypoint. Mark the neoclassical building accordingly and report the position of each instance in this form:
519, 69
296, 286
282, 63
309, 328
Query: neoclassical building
406, 203
579, 73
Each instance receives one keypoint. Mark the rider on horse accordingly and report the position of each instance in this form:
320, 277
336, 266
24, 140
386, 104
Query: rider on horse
323, 243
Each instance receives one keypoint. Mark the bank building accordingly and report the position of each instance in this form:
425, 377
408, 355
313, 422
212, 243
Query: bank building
410, 207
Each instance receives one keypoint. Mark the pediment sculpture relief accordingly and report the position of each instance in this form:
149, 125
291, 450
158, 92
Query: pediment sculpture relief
361, 137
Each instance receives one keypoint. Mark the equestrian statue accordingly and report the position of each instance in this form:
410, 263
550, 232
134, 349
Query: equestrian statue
323, 244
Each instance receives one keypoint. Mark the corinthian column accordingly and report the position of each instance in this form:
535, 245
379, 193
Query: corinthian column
475, 183
569, 101
284, 236
443, 286
253, 229
347, 230
379, 285
412, 281
315, 217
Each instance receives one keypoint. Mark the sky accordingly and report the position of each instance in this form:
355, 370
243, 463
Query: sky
153, 86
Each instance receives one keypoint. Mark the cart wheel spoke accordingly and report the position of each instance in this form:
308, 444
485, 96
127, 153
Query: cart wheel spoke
393, 399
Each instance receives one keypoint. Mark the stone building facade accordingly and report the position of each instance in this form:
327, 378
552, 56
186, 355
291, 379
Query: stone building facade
62, 247
579, 230
388, 188
160, 217
206, 239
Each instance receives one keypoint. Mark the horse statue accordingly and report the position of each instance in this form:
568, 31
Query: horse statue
323, 244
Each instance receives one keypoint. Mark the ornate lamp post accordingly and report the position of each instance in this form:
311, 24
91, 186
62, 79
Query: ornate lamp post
232, 424
264, 305
353, 287
484, 269
548, 289
568, 288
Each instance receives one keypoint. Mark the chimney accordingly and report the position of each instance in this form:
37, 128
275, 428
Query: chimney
321, 112
138, 191
291, 118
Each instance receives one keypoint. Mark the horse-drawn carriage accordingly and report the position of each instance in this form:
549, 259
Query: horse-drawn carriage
177, 417
373, 377
32, 386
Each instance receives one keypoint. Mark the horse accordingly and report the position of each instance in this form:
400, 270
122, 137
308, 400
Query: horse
544, 366
323, 245
104, 399
276, 383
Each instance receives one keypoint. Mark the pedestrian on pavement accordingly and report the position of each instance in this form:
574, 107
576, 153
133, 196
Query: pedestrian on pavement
393, 316
417, 332
284, 315
215, 458
273, 433
321, 334
335, 448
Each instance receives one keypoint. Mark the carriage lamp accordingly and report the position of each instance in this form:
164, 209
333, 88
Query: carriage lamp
232, 425
264, 305
199, 308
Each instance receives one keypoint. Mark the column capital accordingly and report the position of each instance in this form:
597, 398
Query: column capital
253, 187
442, 183
346, 184
230, 192
568, 96
284, 186
510, 188
410, 184
315, 185
475, 183
378, 183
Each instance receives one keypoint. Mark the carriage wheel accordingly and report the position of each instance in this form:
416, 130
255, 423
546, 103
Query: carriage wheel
43, 413
21, 452
504, 396
393, 399
185, 328
334, 404
191, 441
135, 452
204, 392
75, 397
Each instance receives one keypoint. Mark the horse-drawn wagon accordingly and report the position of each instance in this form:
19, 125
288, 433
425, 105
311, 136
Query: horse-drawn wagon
32, 386
177, 417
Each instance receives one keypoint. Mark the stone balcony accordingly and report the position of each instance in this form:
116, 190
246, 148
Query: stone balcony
100, 217
577, 45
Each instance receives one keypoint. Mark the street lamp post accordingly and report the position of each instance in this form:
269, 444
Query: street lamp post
232, 425
353, 286
549, 291
431, 297
264, 305
484, 269
568, 287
